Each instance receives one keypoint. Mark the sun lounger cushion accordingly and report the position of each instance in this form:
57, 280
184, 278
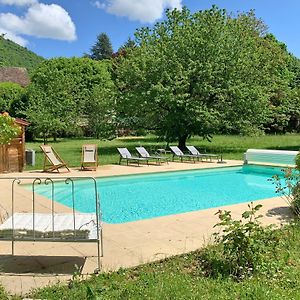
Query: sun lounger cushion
85, 226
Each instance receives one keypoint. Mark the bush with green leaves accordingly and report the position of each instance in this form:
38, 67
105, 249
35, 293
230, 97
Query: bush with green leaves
288, 186
243, 246
297, 162
8, 128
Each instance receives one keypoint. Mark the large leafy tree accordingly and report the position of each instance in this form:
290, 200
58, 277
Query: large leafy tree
284, 114
62, 94
196, 74
102, 48
12, 98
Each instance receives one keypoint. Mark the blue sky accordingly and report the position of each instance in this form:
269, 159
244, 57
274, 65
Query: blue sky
69, 28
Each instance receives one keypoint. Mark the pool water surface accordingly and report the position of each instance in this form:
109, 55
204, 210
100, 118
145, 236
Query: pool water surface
137, 197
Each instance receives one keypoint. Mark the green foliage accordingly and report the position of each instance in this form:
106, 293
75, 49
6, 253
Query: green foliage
102, 48
8, 129
4, 295
12, 98
197, 74
294, 111
14, 55
245, 246
101, 112
288, 186
130, 43
297, 162
285, 101
62, 93
181, 277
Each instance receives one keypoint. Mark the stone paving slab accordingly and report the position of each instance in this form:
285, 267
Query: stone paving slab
125, 245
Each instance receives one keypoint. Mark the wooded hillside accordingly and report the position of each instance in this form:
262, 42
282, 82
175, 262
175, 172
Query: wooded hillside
14, 55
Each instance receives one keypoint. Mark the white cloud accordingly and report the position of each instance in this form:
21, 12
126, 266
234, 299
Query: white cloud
18, 2
146, 11
40, 20
13, 37
99, 4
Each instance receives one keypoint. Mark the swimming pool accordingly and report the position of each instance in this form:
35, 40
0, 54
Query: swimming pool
136, 197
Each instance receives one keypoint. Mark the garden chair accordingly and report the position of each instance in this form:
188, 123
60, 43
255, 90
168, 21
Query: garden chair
125, 154
145, 154
194, 151
53, 159
89, 156
178, 153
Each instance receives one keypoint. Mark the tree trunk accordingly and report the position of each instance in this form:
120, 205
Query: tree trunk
182, 142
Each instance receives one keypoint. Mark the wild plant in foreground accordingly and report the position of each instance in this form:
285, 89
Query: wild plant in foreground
288, 186
244, 247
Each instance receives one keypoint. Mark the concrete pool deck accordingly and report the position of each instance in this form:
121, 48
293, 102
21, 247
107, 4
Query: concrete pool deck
125, 245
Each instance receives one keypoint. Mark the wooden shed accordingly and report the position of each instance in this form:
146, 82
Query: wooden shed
12, 155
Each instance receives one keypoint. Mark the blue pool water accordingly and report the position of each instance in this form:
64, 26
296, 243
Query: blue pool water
130, 198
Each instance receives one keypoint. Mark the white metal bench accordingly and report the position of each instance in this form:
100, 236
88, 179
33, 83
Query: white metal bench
34, 226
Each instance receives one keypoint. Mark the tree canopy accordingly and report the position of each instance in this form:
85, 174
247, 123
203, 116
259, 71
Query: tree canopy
62, 95
102, 48
196, 74
12, 96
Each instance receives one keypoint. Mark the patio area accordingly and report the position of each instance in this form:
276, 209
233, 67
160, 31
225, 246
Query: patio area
125, 245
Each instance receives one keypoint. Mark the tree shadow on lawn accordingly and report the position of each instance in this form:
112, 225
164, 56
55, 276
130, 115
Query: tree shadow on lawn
291, 148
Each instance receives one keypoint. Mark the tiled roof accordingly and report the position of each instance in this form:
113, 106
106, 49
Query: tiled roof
22, 122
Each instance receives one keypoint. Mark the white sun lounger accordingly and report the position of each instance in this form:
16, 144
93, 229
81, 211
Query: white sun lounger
178, 153
145, 154
194, 151
125, 154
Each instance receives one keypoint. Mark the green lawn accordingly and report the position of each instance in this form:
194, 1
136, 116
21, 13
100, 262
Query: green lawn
232, 147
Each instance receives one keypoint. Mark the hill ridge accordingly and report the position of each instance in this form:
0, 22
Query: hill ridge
14, 55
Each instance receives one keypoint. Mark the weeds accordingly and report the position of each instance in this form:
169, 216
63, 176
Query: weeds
244, 247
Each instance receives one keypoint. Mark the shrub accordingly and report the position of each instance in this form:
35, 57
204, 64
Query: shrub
8, 128
288, 187
243, 246
297, 161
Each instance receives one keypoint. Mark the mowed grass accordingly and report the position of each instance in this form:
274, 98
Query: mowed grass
232, 147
